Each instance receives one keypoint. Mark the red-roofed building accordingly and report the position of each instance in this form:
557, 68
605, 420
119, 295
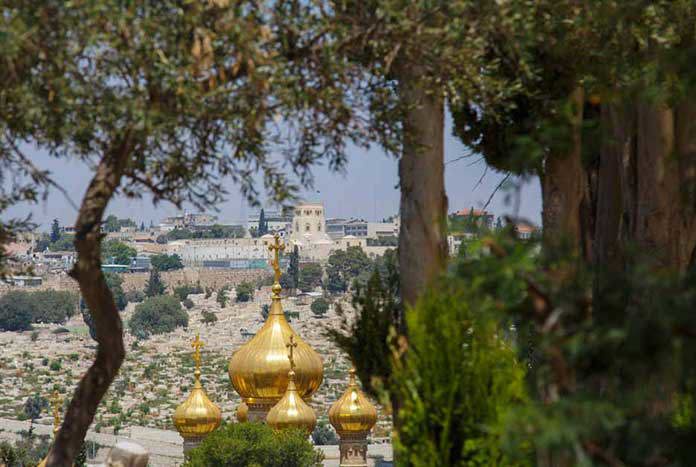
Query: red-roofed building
479, 217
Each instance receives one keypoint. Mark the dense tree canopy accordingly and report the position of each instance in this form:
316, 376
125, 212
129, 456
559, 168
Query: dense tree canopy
157, 315
165, 262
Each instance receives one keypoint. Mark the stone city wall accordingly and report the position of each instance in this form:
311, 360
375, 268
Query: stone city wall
214, 278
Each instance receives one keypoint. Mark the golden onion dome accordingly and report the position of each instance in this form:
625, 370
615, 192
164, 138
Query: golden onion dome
353, 412
291, 411
259, 369
242, 412
197, 416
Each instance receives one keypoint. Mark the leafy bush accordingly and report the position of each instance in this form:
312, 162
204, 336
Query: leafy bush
254, 444
319, 307
154, 285
34, 336
166, 262
265, 310
221, 297
459, 381
310, 277
117, 252
245, 292
158, 315
16, 311
55, 365
188, 303
344, 266
324, 435
44, 306
209, 317
183, 291
135, 296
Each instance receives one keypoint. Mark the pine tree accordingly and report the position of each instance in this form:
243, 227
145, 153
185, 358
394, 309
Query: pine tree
263, 224
55, 231
155, 286
294, 268
142, 226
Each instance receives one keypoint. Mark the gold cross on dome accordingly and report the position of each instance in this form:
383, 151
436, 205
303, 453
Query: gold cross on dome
197, 344
291, 351
276, 248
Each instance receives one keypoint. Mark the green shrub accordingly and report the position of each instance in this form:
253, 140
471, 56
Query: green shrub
188, 303
55, 365
16, 311
135, 296
245, 292
209, 317
221, 297
158, 315
265, 310
166, 262
324, 435
319, 307
310, 277
459, 381
183, 291
60, 330
34, 336
254, 444
154, 285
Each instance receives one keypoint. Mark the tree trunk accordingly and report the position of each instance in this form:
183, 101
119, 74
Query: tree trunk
98, 298
422, 238
564, 187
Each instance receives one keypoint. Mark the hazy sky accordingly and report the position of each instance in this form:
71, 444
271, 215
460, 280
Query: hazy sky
368, 189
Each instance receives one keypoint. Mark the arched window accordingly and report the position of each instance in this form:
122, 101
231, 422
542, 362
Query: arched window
307, 227
318, 227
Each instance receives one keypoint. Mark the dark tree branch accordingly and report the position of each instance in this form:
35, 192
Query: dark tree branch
99, 300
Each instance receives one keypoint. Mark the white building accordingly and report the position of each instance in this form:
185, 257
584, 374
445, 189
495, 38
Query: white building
223, 252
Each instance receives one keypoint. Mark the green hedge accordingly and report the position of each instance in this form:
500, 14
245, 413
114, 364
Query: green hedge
157, 315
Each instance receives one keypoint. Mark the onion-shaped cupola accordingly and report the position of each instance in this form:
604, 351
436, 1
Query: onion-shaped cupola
291, 411
197, 416
242, 413
353, 413
259, 369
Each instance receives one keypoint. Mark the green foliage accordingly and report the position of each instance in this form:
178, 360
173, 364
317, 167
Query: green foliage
55, 365
114, 224
157, 315
188, 303
319, 307
34, 336
344, 267
135, 296
27, 451
34, 405
291, 279
263, 224
65, 242
367, 339
458, 381
265, 310
55, 231
116, 252
183, 291
18, 308
214, 231
166, 262
154, 285
244, 291
221, 297
324, 435
254, 444
209, 317
310, 277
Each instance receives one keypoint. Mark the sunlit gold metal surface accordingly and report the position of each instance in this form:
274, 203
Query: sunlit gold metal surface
291, 411
56, 405
353, 412
197, 416
259, 369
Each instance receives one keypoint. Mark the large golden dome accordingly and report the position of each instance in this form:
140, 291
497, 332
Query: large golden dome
197, 416
353, 412
291, 411
259, 369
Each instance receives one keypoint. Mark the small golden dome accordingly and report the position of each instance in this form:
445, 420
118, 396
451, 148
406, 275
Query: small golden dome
353, 412
197, 416
259, 369
242, 412
291, 411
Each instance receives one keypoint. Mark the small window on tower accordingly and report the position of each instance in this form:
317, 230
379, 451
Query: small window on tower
318, 227
307, 227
